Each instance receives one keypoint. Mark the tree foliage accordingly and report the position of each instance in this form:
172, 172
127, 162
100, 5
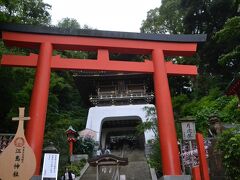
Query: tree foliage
84, 146
16, 83
207, 16
151, 124
217, 60
231, 152
229, 37
70, 23
64, 102
165, 19
75, 167
25, 12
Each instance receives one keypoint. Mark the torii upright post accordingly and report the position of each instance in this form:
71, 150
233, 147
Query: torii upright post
49, 39
168, 138
39, 101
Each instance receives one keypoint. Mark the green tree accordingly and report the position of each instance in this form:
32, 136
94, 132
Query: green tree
151, 124
15, 83
229, 145
25, 12
207, 16
165, 19
64, 103
84, 146
229, 38
70, 23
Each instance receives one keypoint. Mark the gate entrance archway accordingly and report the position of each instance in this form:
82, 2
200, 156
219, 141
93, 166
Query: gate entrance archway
106, 119
120, 131
47, 39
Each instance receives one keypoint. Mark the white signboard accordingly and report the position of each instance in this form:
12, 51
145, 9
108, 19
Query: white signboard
50, 166
188, 130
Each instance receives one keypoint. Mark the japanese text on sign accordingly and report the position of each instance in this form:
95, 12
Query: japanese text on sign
188, 130
50, 165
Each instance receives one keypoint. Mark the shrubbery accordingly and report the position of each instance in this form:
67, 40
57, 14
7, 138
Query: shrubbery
229, 145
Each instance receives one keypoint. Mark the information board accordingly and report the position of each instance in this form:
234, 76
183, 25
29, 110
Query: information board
188, 130
50, 166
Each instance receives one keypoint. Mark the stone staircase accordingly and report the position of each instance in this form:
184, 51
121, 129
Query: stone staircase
90, 174
137, 168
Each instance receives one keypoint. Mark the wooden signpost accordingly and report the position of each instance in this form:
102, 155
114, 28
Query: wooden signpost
17, 161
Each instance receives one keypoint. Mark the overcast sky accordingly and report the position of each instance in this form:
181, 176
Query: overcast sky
113, 15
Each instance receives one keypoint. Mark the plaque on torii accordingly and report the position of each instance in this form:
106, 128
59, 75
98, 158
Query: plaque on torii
159, 46
18, 160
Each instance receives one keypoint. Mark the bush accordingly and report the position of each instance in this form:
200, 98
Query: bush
229, 145
76, 167
84, 146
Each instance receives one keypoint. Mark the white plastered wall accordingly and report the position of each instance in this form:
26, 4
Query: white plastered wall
96, 115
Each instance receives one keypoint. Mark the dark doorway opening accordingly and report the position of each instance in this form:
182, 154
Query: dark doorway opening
121, 133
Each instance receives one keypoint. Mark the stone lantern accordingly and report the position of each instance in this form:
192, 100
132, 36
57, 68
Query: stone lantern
71, 138
50, 149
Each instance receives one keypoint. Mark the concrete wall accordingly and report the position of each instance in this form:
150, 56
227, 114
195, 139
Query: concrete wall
96, 116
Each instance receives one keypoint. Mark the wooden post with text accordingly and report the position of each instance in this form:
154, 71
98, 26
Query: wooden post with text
18, 161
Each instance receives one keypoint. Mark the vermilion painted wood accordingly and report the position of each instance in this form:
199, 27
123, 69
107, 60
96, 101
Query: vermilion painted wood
202, 157
39, 102
90, 43
176, 69
45, 62
196, 173
103, 55
166, 126
101, 64
15, 60
70, 148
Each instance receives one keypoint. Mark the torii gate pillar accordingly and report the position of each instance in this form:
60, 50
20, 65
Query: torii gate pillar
166, 126
39, 101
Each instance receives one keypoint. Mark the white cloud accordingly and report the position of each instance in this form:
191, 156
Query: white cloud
113, 15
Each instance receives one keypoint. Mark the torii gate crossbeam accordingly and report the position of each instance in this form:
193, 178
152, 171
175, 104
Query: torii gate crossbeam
103, 42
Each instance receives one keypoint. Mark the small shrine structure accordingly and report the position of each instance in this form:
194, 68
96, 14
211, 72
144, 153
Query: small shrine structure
108, 160
71, 138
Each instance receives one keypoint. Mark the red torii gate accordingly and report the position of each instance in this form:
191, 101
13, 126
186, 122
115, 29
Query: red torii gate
48, 39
